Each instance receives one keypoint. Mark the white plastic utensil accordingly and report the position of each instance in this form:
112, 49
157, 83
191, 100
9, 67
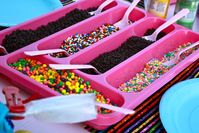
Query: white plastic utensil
71, 67
177, 56
43, 52
172, 20
67, 109
3, 50
101, 7
125, 20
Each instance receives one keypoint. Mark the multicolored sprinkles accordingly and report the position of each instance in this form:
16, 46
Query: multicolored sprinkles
75, 43
153, 70
64, 82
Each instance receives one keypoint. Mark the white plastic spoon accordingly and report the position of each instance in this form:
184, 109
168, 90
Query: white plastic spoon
101, 7
177, 56
172, 20
71, 67
43, 52
125, 20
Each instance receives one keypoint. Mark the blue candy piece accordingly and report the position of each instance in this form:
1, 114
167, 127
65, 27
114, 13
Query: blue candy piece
6, 125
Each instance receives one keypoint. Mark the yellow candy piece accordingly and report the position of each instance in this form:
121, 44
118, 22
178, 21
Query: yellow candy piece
32, 76
68, 83
44, 65
63, 91
81, 86
77, 84
77, 89
19, 68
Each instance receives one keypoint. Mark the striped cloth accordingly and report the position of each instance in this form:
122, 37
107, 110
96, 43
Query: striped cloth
146, 118
66, 2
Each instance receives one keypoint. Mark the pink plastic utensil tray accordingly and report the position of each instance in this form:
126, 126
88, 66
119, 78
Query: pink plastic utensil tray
52, 16
108, 82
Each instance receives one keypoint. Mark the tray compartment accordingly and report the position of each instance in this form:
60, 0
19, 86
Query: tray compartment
128, 69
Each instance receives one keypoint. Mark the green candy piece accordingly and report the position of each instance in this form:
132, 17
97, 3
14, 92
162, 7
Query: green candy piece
51, 80
42, 78
60, 83
95, 92
32, 69
21, 60
37, 66
80, 90
87, 83
69, 75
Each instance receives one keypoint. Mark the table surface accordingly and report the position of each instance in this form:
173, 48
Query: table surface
35, 126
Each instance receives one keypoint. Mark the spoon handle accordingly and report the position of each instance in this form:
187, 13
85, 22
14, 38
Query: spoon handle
63, 66
129, 10
71, 67
101, 7
43, 52
172, 20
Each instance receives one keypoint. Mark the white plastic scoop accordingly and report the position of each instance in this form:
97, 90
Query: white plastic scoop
177, 56
44, 52
125, 20
101, 7
67, 109
71, 67
172, 20
60, 66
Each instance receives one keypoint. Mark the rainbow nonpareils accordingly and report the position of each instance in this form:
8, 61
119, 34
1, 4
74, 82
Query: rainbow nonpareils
77, 42
153, 70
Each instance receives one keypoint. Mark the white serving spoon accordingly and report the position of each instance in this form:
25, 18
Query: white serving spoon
44, 52
101, 7
125, 20
71, 67
172, 20
177, 56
